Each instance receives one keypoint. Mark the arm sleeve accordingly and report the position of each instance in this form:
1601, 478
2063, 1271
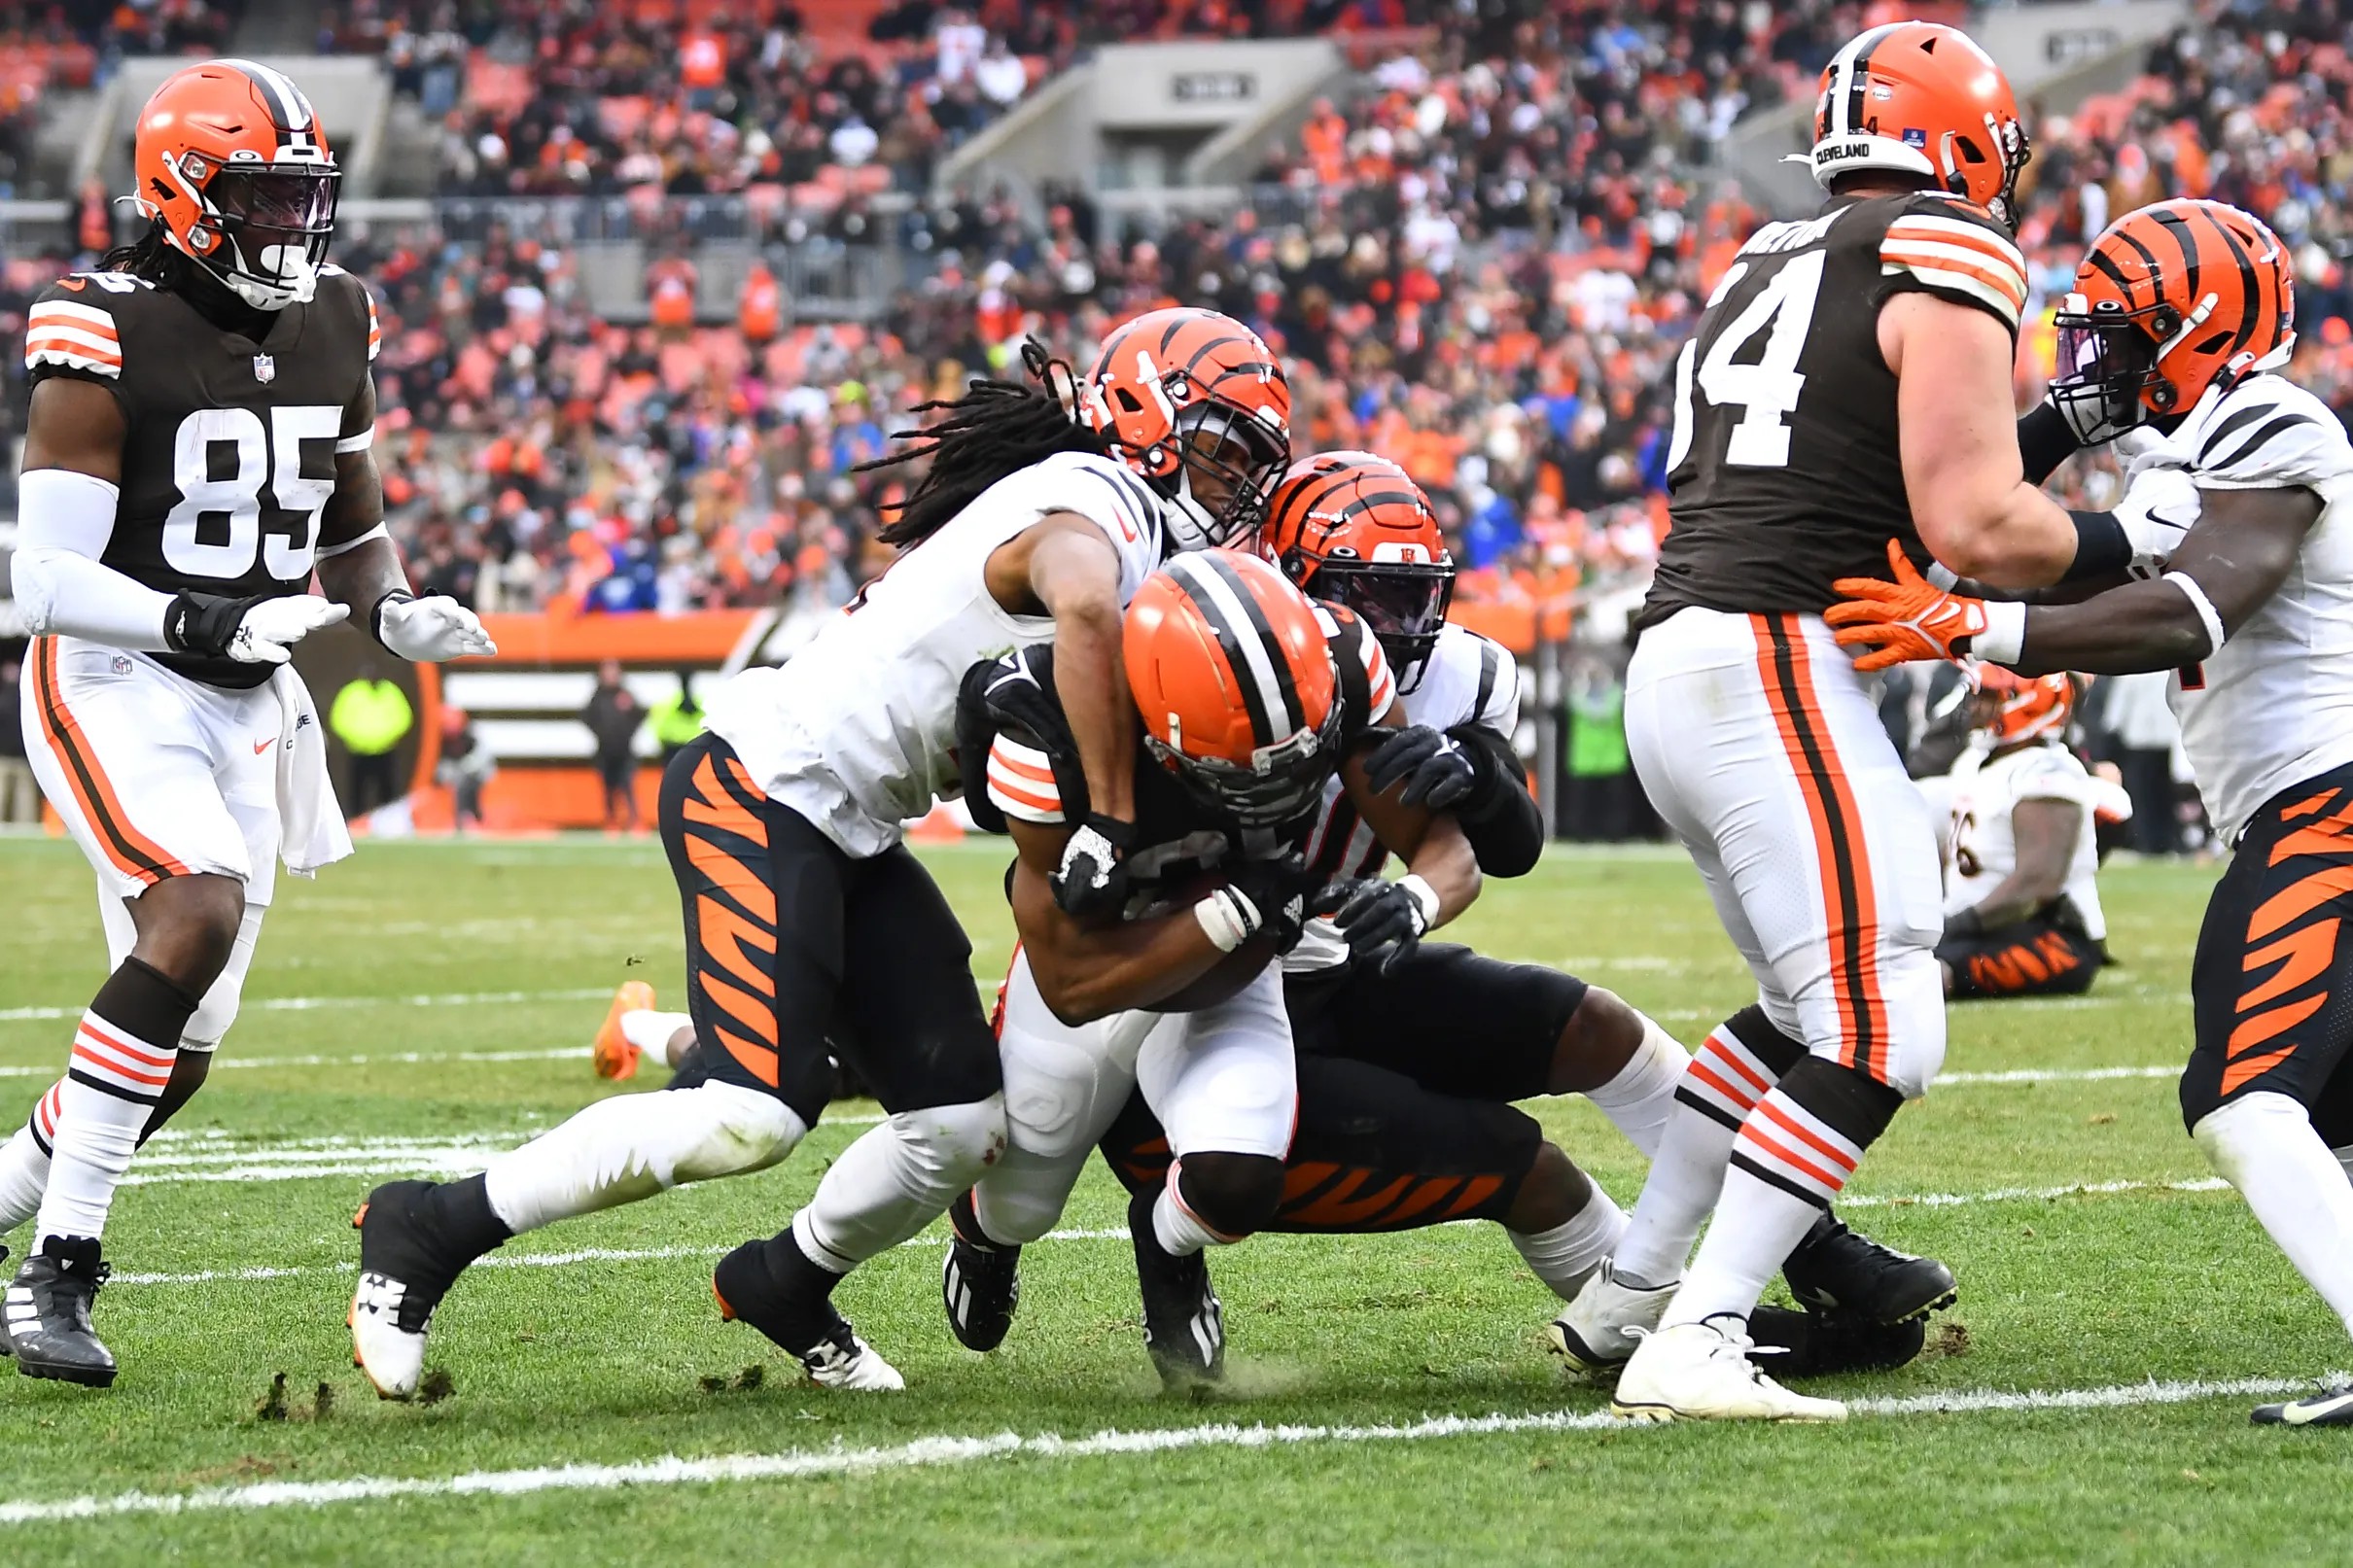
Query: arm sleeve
60, 583
1503, 822
1957, 253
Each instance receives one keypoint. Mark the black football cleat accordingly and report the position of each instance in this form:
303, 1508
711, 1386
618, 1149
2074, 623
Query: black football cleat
409, 1260
804, 1322
2333, 1408
1817, 1345
47, 1306
1836, 1270
1184, 1323
979, 1282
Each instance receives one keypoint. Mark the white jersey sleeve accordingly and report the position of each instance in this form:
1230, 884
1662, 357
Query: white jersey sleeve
1467, 680
2269, 433
1111, 496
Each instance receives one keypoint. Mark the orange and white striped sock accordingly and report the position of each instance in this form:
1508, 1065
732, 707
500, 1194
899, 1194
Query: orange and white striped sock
124, 1052
1713, 1097
24, 1160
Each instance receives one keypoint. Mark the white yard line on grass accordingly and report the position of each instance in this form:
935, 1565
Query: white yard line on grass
945, 1449
306, 1004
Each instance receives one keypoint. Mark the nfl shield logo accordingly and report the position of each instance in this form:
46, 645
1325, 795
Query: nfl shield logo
264, 369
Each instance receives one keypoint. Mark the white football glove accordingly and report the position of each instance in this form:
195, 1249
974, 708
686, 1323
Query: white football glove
427, 631
266, 633
2159, 506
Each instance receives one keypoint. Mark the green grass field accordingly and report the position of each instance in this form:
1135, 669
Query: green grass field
425, 1003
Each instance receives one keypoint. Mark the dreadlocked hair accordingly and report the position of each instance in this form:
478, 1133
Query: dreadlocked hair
996, 428
148, 256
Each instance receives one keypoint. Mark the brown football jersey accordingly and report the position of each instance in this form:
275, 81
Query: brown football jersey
1786, 471
230, 454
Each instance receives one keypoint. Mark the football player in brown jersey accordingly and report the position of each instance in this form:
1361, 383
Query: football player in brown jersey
199, 445
1849, 382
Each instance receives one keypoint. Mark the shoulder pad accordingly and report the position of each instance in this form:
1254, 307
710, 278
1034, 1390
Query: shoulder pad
1954, 249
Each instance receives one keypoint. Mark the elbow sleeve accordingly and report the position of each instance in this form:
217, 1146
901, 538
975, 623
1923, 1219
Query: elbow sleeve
57, 576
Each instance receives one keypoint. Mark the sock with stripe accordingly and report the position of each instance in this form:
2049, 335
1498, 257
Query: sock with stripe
1736, 1065
123, 1058
651, 1031
2263, 1144
632, 1146
1563, 1256
1641, 1099
1791, 1159
24, 1161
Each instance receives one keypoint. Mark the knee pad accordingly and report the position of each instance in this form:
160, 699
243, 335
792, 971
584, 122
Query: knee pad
1051, 1090
218, 1009
1021, 1196
2223, 1134
953, 1144
739, 1130
1232, 1193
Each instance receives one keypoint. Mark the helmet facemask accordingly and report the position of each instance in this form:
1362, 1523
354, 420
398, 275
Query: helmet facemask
1280, 783
266, 228
1233, 451
2108, 381
1404, 603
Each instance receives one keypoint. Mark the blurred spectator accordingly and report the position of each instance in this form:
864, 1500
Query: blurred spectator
2144, 734
465, 767
677, 718
613, 717
372, 717
19, 794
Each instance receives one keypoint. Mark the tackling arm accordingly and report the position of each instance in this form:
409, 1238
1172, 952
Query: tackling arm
1064, 564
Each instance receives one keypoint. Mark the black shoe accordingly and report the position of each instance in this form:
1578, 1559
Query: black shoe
1815, 1344
801, 1320
980, 1282
2333, 1408
1839, 1270
1184, 1324
415, 1239
49, 1313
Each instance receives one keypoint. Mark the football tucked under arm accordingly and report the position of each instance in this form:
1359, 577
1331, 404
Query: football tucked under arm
1088, 970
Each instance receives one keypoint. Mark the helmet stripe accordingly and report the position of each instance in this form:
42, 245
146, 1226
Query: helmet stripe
289, 110
1847, 90
1260, 667
2178, 226
2250, 293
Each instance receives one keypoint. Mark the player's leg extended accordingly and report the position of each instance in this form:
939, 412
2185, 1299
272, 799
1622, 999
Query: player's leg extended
913, 1028
2037, 958
135, 765
761, 993
2273, 1031
1833, 861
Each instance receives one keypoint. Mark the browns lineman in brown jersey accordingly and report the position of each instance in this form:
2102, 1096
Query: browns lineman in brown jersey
199, 447
1848, 385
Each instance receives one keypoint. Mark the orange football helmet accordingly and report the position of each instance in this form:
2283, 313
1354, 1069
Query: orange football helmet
1197, 403
1354, 529
2011, 708
1232, 670
2171, 300
230, 161
1923, 98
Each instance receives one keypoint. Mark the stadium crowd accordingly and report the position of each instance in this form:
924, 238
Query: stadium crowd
1480, 264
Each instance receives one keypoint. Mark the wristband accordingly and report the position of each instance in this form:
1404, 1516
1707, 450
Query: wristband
2102, 547
2207, 616
2004, 639
375, 617
1425, 897
2045, 441
1227, 919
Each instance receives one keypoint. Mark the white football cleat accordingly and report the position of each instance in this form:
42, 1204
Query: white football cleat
392, 1357
843, 1360
1701, 1372
1602, 1327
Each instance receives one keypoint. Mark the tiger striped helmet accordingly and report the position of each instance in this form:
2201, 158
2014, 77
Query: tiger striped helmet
2172, 299
230, 161
1232, 671
1353, 528
1921, 98
1197, 403
2011, 708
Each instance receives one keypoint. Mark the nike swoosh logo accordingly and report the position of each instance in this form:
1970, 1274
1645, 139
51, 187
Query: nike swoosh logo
259, 746
2310, 1410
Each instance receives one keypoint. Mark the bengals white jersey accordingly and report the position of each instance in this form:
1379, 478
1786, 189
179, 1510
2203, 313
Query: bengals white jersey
1973, 803
1469, 680
2273, 706
856, 732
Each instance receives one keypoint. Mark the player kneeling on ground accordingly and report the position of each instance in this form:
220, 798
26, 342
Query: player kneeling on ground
2018, 822
2170, 346
1407, 1063
199, 443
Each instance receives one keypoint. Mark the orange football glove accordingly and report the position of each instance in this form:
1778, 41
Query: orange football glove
1903, 621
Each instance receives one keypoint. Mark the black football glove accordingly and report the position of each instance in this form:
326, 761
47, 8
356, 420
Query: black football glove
1377, 918
1439, 771
1093, 877
1277, 891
